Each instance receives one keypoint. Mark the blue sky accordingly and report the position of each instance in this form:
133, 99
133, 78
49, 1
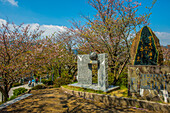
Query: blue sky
57, 13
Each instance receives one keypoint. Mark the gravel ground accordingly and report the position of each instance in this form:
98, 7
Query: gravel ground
54, 101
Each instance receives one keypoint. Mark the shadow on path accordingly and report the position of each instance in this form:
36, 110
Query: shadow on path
54, 101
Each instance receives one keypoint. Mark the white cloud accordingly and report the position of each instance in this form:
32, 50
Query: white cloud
48, 29
12, 2
2, 22
163, 37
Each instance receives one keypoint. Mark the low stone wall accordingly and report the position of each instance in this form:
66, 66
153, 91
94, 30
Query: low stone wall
149, 81
119, 101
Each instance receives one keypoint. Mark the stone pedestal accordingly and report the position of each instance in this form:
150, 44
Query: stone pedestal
149, 81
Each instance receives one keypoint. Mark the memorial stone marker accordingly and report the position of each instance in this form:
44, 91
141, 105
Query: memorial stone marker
146, 72
85, 63
145, 49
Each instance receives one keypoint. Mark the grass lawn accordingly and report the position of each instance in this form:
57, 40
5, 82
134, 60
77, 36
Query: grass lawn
122, 92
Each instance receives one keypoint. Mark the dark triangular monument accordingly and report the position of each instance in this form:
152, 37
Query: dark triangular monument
145, 49
147, 77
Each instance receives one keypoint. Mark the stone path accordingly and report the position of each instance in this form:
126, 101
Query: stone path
13, 101
24, 86
55, 101
12, 89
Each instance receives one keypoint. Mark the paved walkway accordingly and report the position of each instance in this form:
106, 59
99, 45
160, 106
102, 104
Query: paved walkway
12, 90
14, 100
24, 86
53, 100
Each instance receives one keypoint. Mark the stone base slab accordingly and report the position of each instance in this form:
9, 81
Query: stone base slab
95, 87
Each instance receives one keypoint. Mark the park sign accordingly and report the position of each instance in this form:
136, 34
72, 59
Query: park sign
145, 49
153, 81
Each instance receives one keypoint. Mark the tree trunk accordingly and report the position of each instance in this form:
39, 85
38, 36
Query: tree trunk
115, 80
6, 96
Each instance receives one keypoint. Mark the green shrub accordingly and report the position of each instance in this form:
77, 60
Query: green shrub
12, 97
123, 81
44, 81
110, 78
19, 91
50, 82
16, 84
40, 86
47, 82
61, 81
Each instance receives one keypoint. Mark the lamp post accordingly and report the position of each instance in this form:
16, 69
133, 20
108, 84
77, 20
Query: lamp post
31, 74
40, 78
52, 73
47, 76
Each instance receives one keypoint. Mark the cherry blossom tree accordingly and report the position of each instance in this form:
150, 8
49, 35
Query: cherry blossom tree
110, 31
16, 44
166, 54
66, 60
54, 55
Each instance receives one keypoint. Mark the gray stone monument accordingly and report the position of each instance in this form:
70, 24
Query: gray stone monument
85, 63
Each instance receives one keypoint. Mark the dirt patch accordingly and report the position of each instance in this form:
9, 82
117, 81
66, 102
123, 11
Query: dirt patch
54, 101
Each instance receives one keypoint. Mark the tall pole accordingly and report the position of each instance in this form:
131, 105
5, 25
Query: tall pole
52, 73
40, 78
31, 74
47, 76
